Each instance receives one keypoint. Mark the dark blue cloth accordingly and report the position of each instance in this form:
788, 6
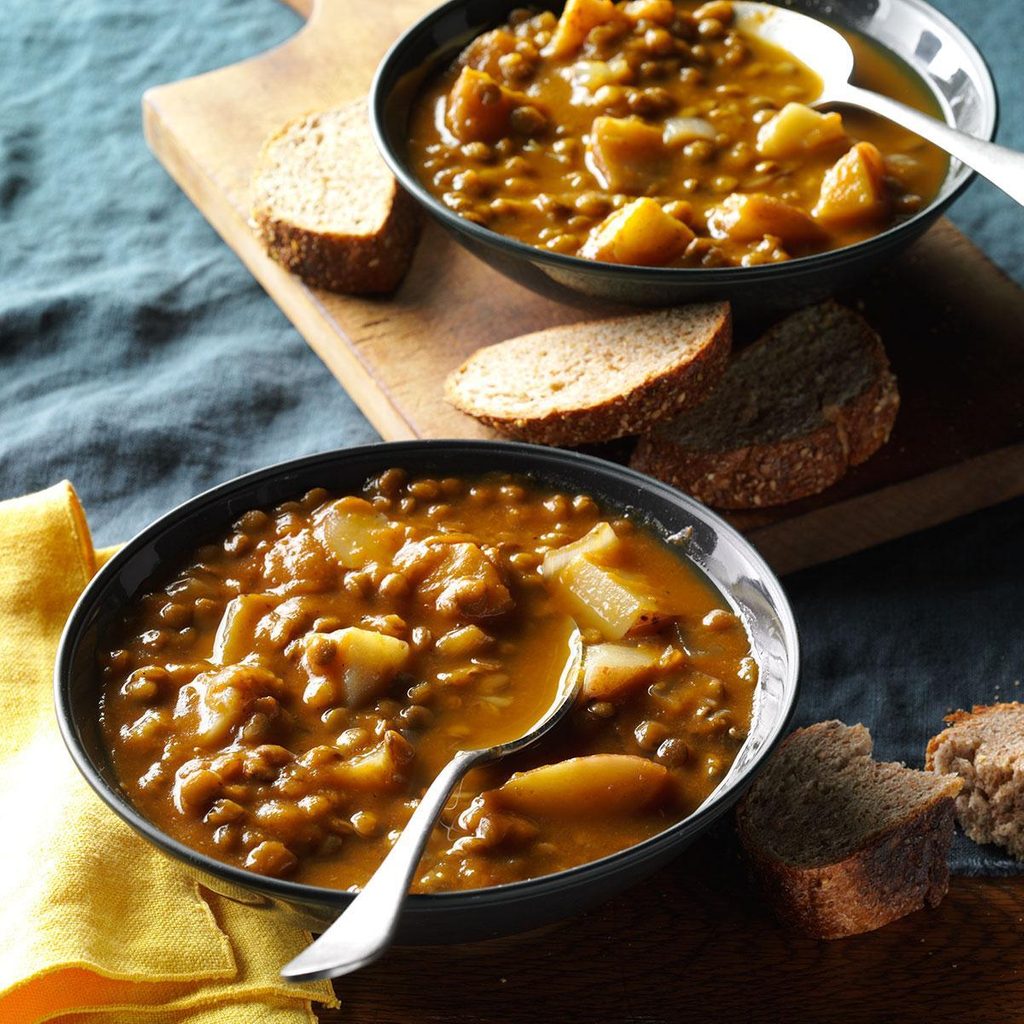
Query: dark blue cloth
139, 359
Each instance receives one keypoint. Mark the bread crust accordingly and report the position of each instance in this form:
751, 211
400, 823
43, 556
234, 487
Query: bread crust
900, 871
888, 874
778, 472
349, 263
654, 399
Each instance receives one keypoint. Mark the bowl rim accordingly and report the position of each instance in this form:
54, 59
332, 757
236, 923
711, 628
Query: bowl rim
391, 64
713, 806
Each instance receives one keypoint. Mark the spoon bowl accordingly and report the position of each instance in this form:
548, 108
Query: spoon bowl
365, 930
829, 55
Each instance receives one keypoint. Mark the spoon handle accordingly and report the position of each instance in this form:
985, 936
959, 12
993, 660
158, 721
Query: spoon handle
1003, 167
365, 928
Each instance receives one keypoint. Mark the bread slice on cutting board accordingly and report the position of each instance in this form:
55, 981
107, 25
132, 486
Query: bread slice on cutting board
809, 399
327, 208
596, 380
841, 843
985, 748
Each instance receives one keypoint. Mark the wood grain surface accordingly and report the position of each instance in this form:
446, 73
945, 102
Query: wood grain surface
694, 942
951, 320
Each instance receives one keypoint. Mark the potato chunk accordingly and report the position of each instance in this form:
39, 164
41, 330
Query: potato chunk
599, 542
658, 12
578, 18
749, 217
355, 534
607, 600
298, 564
853, 189
457, 578
797, 129
217, 703
641, 233
587, 787
380, 769
484, 52
350, 666
237, 630
480, 110
611, 671
626, 155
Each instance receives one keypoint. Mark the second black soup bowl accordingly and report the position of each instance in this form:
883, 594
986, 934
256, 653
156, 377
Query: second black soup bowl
723, 555
928, 42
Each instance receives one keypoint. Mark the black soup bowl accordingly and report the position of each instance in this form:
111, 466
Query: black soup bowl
925, 40
731, 564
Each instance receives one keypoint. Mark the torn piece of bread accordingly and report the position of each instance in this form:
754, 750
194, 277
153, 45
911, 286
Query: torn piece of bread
327, 208
596, 380
793, 412
841, 843
985, 748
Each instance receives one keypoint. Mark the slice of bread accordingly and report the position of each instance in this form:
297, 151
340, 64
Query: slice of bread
841, 843
596, 380
326, 206
985, 748
793, 412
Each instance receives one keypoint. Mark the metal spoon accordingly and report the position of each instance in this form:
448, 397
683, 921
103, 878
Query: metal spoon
828, 54
365, 929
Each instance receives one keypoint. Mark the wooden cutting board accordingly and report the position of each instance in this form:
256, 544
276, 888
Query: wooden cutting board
693, 941
952, 322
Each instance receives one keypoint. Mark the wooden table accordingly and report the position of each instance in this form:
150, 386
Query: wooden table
695, 942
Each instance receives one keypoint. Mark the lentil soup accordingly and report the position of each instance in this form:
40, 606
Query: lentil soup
654, 132
284, 701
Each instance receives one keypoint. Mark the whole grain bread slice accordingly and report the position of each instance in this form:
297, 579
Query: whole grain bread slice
596, 380
841, 843
326, 206
985, 748
809, 399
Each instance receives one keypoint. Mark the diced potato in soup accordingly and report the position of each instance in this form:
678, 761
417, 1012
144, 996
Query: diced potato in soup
351, 666
657, 12
355, 534
609, 601
578, 18
796, 129
641, 233
456, 577
382, 768
220, 702
853, 190
749, 217
237, 629
611, 671
480, 109
486, 51
626, 155
598, 543
592, 786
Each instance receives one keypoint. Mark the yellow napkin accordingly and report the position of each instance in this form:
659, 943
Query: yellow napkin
96, 926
